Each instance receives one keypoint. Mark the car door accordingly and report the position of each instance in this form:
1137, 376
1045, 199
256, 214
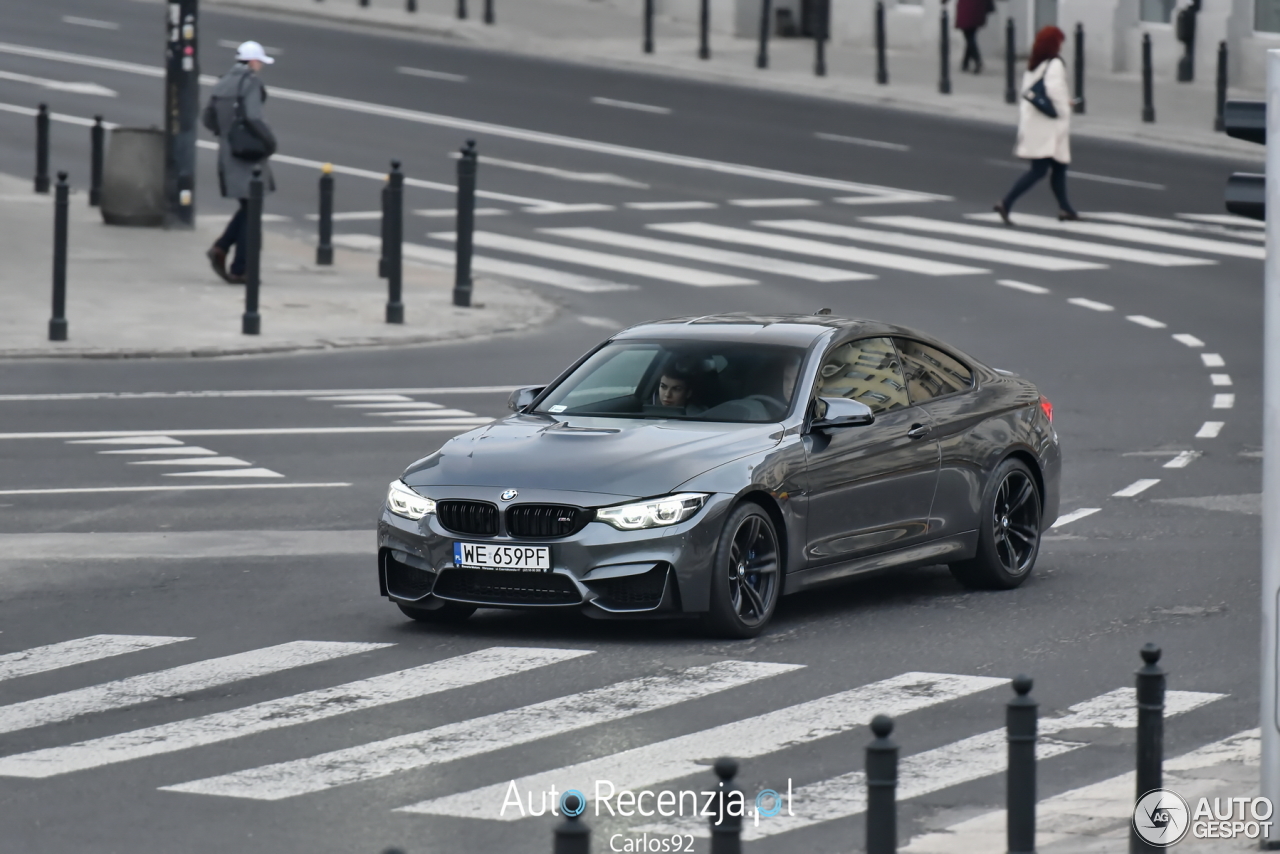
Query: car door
870, 487
941, 385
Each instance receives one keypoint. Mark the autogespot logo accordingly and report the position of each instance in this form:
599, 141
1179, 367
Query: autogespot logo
1161, 818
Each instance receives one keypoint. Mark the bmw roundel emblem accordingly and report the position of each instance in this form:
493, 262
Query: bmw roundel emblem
509, 494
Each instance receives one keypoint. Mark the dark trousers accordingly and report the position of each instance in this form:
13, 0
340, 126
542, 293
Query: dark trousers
233, 236
1058, 181
971, 53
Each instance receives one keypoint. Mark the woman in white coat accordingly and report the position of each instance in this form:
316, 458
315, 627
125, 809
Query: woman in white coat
1045, 141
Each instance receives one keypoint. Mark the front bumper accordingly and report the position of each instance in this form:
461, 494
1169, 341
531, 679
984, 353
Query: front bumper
604, 572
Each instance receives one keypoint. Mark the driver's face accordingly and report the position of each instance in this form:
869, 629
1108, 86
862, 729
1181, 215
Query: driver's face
673, 392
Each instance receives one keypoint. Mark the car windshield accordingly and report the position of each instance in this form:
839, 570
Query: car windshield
690, 380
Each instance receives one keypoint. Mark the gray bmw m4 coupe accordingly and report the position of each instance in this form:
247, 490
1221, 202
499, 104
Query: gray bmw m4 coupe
706, 466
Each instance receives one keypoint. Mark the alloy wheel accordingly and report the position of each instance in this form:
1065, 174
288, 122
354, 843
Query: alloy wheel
1016, 522
753, 570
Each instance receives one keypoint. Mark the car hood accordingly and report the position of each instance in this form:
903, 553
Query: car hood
614, 456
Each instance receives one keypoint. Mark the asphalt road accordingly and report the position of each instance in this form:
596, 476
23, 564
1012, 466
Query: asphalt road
1129, 398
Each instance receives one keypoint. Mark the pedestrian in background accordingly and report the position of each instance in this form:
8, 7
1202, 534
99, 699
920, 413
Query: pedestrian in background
1044, 124
971, 16
245, 141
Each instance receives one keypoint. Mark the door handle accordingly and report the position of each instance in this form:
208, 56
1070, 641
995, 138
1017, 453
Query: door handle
918, 431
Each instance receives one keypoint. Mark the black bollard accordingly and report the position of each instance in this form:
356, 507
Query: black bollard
382, 230
704, 30
488, 12
58, 323
1148, 108
364, 2
821, 21
766, 12
466, 223
726, 828
462, 10
96, 142
882, 788
1221, 99
1010, 63
1020, 722
1150, 735
42, 149
394, 247
572, 836
251, 322
324, 248
944, 54
882, 66
411, 5
648, 26
1078, 105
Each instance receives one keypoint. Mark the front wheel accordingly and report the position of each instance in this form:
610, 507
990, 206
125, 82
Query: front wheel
1008, 533
449, 612
746, 576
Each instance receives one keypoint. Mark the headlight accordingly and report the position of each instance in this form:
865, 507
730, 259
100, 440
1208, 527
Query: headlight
656, 513
403, 501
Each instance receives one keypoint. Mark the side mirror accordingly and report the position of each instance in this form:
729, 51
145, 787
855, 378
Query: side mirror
522, 397
840, 412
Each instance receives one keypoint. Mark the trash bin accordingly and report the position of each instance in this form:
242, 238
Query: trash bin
133, 178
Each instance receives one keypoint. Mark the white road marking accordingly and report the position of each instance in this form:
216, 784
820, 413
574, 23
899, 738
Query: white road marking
788, 727
1188, 340
1092, 305
255, 472
433, 75
1133, 234
1136, 488
631, 105
1038, 241
600, 322
445, 213
816, 248
455, 414
560, 208
1143, 320
370, 394
1084, 176
192, 461
1210, 430
1075, 516
1176, 225
1182, 460
89, 490
605, 261
869, 143
916, 243
1220, 379
565, 174
482, 735
1213, 360
401, 403
1224, 401
60, 85
90, 22
774, 203
55, 117
463, 671
342, 401
1022, 286
350, 216
176, 449
460, 424
79, 651
1225, 219
130, 440
671, 206
173, 682
710, 255
218, 431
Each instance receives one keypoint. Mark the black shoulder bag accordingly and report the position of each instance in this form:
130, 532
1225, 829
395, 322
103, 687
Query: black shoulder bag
1039, 96
247, 141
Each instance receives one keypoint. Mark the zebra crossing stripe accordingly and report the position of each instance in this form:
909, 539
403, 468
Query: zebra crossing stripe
815, 248
1176, 225
686, 755
932, 244
1134, 234
173, 682
93, 648
1031, 240
462, 671
482, 735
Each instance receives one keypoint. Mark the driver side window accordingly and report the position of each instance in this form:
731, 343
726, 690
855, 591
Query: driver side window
867, 371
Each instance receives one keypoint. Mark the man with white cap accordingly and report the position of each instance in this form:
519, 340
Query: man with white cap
245, 142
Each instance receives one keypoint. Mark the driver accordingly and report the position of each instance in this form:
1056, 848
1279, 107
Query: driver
675, 389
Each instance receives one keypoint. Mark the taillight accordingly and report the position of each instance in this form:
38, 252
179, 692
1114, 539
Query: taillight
1046, 407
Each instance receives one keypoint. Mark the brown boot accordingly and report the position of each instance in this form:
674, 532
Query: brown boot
218, 260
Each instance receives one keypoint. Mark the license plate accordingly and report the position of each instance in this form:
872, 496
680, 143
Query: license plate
512, 558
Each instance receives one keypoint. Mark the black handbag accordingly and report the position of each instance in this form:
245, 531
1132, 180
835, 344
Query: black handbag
1039, 97
248, 140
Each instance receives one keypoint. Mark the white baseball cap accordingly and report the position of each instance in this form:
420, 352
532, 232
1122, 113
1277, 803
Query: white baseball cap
252, 50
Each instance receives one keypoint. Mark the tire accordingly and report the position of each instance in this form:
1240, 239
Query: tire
746, 575
449, 612
1008, 531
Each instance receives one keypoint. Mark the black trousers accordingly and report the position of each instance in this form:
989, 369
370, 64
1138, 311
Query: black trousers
1058, 181
233, 236
971, 53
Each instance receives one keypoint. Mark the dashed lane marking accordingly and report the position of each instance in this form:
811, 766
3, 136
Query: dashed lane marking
1136, 488
599, 322
1182, 460
1188, 340
857, 140
1022, 286
1224, 401
193, 461
631, 105
774, 203
671, 206
1213, 360
1143, 320
431, 75
1075, 516
254, 472
95, 23
176, 449
1092, 305
1220, 379
1210, 430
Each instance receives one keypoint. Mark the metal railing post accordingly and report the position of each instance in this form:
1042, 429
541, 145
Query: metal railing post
467, 166
766, 13
726, 827
882, 788
42, 149
1020, 723
1148, 108
944, 55
395, 243
58, 323
1150, 771
1221, 100
882, 65
648, 26
251, 322
704, 30
1078, 106
96, 143
572, 836
324, 246
1010, 63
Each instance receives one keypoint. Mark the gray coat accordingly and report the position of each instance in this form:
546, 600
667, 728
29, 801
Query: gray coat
234, 174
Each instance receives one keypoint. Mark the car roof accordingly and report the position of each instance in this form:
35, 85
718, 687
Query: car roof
799, 330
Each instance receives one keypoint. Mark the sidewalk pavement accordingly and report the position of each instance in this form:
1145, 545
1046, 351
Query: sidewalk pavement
135, 292
608, 33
